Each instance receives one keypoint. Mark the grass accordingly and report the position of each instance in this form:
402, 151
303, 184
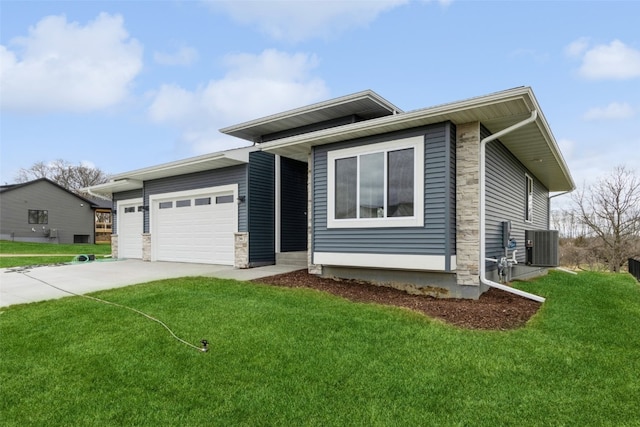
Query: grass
50, 253
300, 357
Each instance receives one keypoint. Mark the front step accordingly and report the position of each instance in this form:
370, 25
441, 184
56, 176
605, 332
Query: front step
292, 258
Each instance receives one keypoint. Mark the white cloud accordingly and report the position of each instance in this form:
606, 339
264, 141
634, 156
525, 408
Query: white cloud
613, 111
185, 55
578, 47
295, 20
64, 66
254, 86
606, 61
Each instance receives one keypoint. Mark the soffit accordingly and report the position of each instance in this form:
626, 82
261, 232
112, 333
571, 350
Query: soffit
135, 179
533, 145
366, 105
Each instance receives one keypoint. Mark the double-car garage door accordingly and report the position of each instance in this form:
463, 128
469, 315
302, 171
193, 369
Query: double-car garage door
193, 226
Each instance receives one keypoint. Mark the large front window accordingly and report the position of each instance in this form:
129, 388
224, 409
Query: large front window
378, 185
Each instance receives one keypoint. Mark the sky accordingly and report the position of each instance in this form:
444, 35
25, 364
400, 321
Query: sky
122, 85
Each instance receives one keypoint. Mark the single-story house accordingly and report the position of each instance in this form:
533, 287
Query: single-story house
435, 200
43, 211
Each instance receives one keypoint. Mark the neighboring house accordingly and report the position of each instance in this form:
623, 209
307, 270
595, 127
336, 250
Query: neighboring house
43, 211
360, 189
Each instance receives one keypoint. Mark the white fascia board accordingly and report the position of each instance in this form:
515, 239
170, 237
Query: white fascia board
192, 164
390, 261
311, 108
410, 116
440, 111
115, 186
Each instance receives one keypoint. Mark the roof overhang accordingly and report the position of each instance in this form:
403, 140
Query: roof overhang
366, 105
135, 179
533, 145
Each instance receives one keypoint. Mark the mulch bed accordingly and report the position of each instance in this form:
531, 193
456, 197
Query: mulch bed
494, 310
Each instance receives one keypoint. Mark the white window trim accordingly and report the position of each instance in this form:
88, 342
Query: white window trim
528, 204
417, 220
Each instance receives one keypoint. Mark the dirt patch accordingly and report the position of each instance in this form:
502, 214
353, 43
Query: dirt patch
495, 309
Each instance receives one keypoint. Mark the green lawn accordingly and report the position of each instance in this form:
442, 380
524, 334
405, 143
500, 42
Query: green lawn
300, 357
54, 253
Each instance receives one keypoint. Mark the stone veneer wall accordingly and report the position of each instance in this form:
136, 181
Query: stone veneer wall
468, 203
114, 246
241, 250
146, 246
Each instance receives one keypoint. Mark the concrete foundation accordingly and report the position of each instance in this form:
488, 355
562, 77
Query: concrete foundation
435, 284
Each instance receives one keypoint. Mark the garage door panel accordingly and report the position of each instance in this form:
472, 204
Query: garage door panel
195, 229
130, 225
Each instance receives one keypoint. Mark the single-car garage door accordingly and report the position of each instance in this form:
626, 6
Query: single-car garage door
195, 227
130, 217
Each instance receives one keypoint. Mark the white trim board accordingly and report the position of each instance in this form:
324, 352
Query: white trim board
393, 261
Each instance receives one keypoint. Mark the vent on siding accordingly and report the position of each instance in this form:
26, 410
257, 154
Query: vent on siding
542, 248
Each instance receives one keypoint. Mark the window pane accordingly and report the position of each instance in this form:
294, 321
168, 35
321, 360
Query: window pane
38, 216
224, 199
33, 216
183, 203
400, 186
372, 185
203, 201
346, 186
529, 201
166, 205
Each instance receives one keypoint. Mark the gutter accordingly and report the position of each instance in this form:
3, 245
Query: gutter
483, 144
96, 195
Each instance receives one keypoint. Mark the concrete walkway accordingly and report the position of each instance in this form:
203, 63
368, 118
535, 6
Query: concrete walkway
21, 285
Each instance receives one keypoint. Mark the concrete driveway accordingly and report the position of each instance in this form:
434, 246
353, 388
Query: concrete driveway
19, 286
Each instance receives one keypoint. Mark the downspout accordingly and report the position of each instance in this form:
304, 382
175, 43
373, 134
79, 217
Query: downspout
483, 144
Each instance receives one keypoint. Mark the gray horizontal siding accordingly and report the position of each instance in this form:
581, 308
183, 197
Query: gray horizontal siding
451, 249
261, 202
68, 214
506, 200
427, 240
211, 178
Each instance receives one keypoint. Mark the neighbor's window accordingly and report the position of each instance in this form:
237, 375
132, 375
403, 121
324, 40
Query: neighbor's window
378, 185
528, 214
38, 216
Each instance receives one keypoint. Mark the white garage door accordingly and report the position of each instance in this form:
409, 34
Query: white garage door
195, 227
130, 216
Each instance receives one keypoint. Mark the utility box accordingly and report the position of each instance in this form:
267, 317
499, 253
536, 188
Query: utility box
542, 248
506, 233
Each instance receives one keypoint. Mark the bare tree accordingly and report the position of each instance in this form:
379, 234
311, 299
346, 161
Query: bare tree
67, 175
568, 223
611, 210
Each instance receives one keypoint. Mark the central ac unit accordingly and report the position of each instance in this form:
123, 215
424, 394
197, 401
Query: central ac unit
542, 248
